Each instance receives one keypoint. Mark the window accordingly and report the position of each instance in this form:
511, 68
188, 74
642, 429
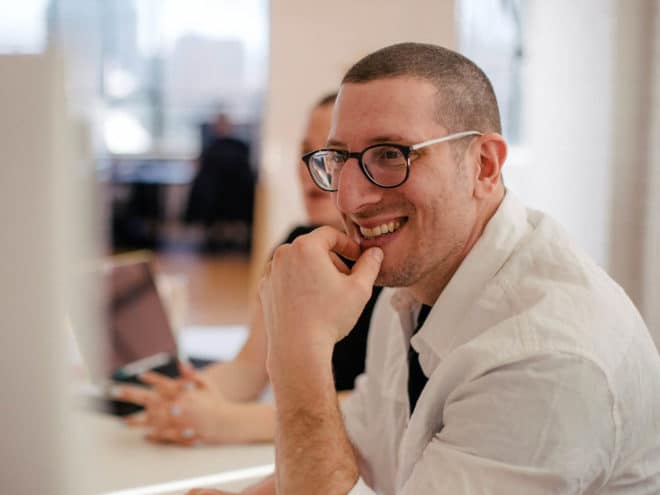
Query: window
491, 34
146, 74
23, 30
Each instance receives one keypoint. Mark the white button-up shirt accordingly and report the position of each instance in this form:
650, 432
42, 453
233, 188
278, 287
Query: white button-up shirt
543, 378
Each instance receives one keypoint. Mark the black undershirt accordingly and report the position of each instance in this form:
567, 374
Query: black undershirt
416, 378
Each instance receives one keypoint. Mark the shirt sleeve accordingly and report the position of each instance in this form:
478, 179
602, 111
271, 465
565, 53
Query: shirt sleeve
543, 425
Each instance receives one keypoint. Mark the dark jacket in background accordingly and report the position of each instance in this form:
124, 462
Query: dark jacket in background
223, 189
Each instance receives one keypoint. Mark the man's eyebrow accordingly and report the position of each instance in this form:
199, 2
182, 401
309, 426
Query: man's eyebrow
332, 143
385, 138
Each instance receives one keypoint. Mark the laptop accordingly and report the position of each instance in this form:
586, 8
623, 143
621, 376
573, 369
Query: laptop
137, 334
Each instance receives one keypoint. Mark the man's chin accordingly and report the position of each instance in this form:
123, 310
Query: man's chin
389, 278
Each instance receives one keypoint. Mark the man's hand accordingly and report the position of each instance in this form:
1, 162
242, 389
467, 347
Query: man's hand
310, 298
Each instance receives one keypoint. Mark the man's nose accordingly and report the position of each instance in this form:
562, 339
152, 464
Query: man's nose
354, 189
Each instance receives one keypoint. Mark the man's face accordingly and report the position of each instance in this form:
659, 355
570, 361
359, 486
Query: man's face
433, 213
319, 204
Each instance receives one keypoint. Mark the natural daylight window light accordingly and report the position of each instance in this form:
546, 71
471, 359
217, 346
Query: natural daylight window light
168, 67
23, 27
491, 34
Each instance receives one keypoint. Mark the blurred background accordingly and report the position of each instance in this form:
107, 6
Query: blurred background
108, 110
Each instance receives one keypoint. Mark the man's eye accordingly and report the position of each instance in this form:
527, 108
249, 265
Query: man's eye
337, 158
387, 154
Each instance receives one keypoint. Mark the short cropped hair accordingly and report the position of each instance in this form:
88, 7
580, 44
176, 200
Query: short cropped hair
465, 98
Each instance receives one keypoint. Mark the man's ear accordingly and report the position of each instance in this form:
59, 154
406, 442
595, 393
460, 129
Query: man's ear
491, 156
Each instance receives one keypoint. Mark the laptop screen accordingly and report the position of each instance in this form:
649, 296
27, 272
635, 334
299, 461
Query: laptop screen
138, 328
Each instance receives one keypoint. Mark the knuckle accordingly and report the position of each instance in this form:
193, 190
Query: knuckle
280, 252
303, 245
325, 229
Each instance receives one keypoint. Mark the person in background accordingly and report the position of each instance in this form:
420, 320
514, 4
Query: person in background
222, 193
501, 359
219, 404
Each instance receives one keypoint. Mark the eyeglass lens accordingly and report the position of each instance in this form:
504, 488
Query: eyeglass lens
385, 165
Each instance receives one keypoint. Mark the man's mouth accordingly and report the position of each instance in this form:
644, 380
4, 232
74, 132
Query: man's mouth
371, 233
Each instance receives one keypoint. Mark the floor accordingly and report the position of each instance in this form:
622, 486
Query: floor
216, 285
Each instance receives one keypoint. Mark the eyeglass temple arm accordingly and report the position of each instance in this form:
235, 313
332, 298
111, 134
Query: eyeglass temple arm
451, 137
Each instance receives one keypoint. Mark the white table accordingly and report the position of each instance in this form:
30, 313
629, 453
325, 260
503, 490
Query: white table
119, 460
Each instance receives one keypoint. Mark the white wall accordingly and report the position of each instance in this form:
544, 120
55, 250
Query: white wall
32, 366
635, 220
590, 107
567, 117
312, 45
47, 228
651, 287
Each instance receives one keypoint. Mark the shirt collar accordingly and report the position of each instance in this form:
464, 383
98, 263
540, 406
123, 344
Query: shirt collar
441, 331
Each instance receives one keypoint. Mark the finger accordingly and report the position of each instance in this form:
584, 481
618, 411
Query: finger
339, 264
137, 419
131, 393
263, 292
165, 415
185, 368
167, 386
333, 240
367, 266
267, 268
183, 436
340, 243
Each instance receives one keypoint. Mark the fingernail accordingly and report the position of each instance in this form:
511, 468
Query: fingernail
175, 410
377, 253
188, 433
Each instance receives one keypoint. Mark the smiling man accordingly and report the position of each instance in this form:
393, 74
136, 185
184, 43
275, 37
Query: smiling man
502, 360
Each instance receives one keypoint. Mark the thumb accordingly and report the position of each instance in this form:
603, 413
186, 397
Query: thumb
367, 266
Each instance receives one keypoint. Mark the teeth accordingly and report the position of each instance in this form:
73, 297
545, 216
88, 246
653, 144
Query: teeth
378, 230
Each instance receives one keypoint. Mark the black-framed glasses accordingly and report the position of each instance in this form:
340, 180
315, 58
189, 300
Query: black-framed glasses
384, 164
